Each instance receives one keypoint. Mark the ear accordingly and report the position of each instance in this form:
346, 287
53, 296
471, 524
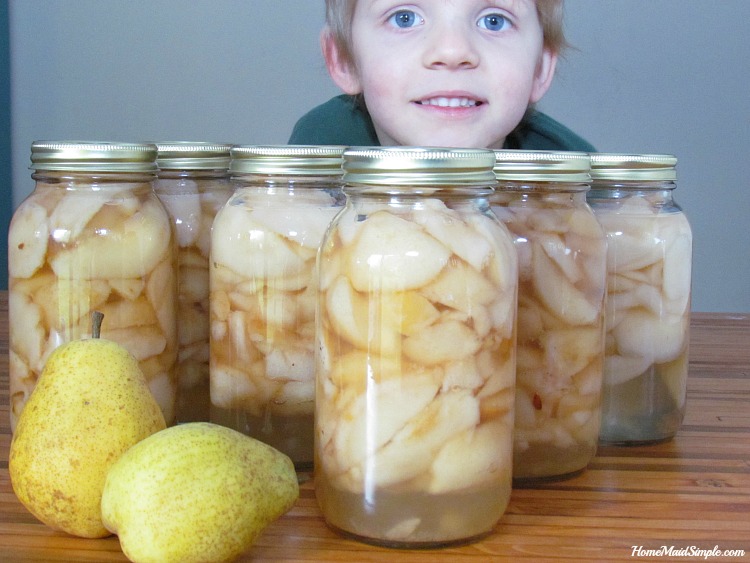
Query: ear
339, 67
545, 72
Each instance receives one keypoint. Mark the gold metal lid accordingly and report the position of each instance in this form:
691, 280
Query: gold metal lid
185, 155
418, 166
543, 166
287, 160
93, 156
633, 167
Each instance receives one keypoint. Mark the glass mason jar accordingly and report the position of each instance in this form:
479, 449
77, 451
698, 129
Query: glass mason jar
541, 198
416, 357
193, 184
264, 245
648, 303
92, 236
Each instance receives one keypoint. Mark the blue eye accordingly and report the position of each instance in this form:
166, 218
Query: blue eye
405, 19
494, 22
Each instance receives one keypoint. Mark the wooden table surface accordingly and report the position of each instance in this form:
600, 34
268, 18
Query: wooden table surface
690, 494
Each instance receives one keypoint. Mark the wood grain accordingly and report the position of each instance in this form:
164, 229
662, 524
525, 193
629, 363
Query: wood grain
691, 492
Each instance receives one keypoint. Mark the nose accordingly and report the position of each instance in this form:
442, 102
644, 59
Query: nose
450, 48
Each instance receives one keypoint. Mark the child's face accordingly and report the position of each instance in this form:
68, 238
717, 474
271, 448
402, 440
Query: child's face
446, 72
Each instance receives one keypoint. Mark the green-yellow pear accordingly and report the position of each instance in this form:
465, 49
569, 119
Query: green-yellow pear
198, 492
91, 404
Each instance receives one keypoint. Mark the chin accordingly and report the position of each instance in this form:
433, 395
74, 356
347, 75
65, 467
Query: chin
458, 141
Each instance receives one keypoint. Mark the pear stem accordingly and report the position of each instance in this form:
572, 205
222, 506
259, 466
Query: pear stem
96, 323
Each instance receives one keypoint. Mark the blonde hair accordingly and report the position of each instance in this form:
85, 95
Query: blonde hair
339, 15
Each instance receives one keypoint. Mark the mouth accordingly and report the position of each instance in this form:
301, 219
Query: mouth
450, 102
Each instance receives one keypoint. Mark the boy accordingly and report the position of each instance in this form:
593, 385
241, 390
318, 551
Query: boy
453, 73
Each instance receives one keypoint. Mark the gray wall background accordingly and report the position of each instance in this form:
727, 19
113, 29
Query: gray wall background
646, 76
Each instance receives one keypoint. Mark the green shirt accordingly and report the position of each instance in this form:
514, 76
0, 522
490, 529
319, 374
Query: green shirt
341, 121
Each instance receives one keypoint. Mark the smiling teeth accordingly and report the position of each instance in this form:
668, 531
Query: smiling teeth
449, 102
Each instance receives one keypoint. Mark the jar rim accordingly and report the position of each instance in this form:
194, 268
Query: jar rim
632, 166
542, 166
287, 160
418, 166
93, 156
190, 155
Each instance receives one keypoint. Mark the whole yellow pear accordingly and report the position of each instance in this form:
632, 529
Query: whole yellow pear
197, 492
90, 405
